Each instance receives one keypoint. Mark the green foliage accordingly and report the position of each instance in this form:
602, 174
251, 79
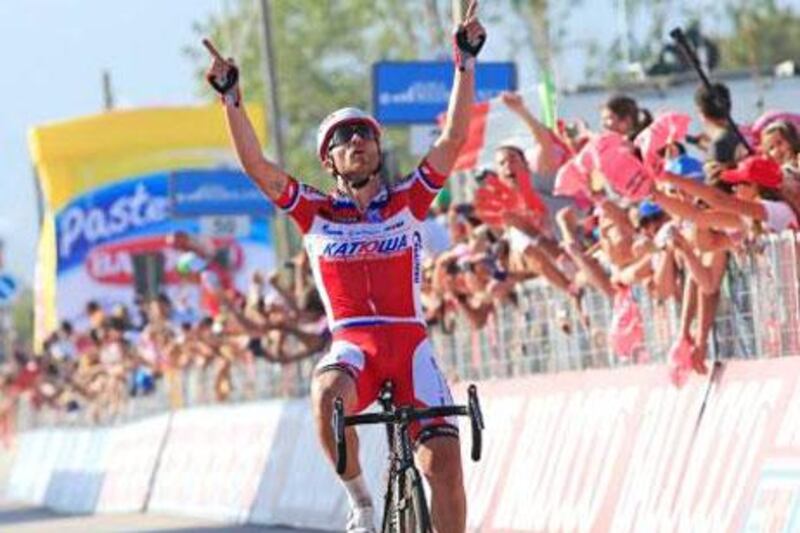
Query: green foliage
324, 52
546, 20
22, 318
764, 33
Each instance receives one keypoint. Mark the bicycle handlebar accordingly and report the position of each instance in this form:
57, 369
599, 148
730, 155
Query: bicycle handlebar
405, 415
475, 422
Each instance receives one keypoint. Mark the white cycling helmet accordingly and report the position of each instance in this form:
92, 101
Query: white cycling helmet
337, 118
513, 143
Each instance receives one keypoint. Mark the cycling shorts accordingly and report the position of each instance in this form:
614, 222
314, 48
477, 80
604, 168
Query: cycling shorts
402, 353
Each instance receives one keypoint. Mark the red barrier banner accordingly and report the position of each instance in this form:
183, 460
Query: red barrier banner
622, 450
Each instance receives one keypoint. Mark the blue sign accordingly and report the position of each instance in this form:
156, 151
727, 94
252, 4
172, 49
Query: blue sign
417, 92
215, 192
122, 209
8, 289
130, 211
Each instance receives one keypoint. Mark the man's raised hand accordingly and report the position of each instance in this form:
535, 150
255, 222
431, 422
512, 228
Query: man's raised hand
223, 75
513, 101
469, 38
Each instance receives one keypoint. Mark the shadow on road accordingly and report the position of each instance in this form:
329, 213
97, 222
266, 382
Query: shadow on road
21, 515
247, 528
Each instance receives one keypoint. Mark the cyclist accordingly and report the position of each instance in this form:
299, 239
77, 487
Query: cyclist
364, 241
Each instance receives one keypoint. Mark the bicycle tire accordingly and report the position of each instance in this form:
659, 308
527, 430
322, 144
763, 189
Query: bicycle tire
423, 516
403, 515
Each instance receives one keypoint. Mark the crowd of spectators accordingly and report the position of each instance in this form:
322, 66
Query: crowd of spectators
164, 343
697, 200
658, 208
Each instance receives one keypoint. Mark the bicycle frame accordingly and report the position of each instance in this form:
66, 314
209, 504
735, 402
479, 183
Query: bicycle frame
401, 463
401, 469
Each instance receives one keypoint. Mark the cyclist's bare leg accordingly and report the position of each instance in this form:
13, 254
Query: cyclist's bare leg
325, 388
439, 460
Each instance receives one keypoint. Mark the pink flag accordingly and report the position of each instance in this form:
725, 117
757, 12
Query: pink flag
609, 154
626, 332
667, 128
625, 173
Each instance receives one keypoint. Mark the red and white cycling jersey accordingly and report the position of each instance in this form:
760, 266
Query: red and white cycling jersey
367, 269
367, 266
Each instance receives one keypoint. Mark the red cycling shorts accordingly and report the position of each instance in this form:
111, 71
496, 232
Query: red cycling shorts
402, 353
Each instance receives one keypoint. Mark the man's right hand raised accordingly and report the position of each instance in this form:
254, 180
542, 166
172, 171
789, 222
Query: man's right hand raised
223, 75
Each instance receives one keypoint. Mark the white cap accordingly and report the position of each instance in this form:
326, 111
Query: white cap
338, 117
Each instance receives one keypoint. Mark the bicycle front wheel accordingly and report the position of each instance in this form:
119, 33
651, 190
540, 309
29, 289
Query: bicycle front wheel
412, 507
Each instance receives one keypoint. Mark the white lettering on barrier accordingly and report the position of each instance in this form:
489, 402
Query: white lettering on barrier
773, 507
219, 473
789, 433
482, 478
76, 477
707, 476
309, 468
733, 434
130, 459
662, 437
564, 460
30, 450
554, 476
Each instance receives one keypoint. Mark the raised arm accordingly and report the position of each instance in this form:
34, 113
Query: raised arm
716, 198
469, 39
541, 134
703, 218
223, 75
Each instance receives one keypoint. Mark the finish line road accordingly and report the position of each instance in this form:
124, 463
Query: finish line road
20, 518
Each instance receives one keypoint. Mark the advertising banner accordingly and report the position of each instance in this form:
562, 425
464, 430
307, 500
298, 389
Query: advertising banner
624, 451
617, 450
215, 192
105, 181
417, 92
99, 233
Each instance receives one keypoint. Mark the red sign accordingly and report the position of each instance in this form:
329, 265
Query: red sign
624, 451
112, 263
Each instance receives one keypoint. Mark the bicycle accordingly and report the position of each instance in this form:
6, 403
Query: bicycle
405, 506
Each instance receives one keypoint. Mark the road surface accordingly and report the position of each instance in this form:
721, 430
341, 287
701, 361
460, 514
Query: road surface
17, 518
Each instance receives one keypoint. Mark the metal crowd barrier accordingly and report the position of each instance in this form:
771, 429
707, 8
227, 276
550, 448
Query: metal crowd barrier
758, 316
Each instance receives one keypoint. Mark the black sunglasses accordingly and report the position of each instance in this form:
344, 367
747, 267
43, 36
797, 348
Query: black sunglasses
342, 134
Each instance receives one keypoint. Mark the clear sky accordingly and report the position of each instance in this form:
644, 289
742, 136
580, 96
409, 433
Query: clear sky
53, 54
55, 50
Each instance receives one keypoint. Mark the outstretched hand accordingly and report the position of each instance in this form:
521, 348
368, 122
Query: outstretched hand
470, 36
472, 26
513, 101
222, 74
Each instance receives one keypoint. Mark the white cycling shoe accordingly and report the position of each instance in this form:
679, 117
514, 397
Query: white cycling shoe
361, 520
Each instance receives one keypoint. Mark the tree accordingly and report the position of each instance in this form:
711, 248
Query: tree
546, 21
323, 52
763, 34
22, 319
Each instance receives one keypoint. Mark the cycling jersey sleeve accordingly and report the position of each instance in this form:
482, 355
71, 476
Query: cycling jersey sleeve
424, 184
301, 202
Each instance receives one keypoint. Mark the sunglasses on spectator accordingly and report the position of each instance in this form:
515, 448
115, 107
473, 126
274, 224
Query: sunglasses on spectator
342, 134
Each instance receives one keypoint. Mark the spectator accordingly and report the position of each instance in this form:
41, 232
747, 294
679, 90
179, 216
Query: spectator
621, 114
722, 143
757, 200
95, 314
780, 142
